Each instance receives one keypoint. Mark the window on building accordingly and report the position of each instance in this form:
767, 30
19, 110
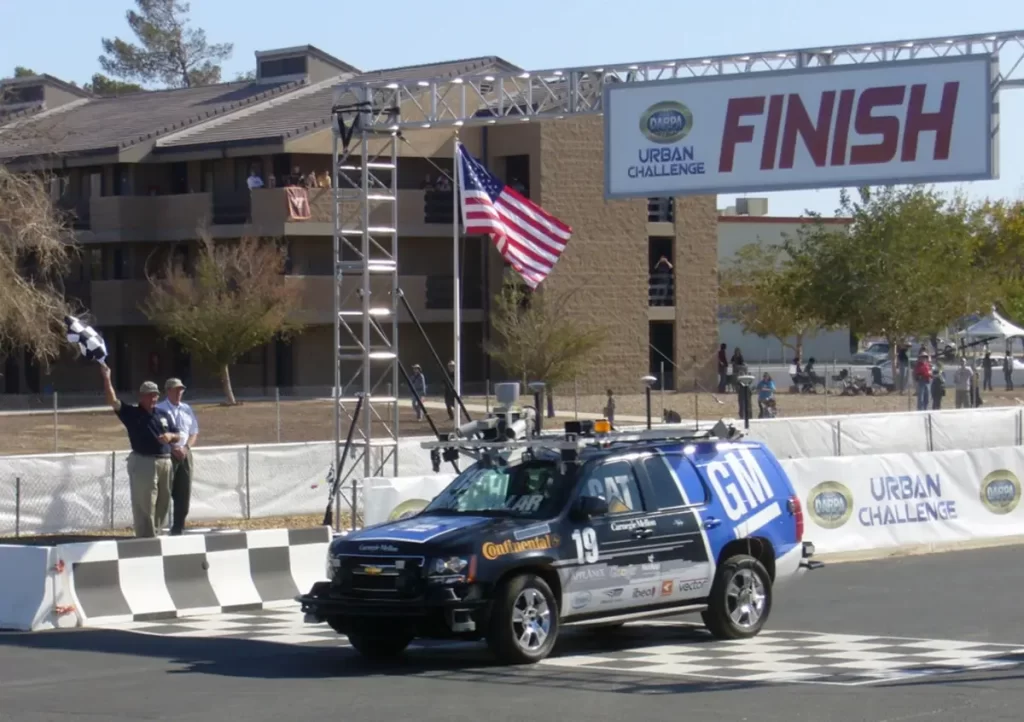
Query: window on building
283, 66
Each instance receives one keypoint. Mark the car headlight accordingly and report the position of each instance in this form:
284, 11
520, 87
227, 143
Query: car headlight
448, 565
331, 567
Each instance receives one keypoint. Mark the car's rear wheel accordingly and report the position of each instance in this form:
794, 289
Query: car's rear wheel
740, 599
524, 621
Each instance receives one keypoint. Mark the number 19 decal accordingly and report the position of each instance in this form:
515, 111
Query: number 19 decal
586, 545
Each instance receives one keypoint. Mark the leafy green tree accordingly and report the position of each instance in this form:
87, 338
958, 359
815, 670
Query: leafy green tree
236, 299
104, 86
535, 339
757, 290
906, 267
169, 50
999, 226
21, 71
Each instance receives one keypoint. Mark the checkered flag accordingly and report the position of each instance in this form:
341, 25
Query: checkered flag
89, 343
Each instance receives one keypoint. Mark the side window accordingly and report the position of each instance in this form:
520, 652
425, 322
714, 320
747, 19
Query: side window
616, 483
664, 487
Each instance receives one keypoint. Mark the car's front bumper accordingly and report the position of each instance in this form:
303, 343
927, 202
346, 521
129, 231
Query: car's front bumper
441, 611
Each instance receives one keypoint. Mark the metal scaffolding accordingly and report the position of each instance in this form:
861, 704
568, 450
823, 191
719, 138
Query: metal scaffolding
366, 292
377, 112
510, 97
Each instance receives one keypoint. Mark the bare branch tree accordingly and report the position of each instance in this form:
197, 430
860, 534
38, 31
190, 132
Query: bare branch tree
237, 299
536, 338
36, 252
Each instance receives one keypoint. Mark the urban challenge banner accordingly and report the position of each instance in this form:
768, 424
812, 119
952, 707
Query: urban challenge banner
893, 500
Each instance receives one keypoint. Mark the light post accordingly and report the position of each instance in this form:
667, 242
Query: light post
649, 381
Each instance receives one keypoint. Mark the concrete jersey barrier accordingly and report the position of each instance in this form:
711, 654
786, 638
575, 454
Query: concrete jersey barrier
115, 581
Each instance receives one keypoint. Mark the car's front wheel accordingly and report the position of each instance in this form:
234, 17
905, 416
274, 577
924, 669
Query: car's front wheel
740, 599
524, 620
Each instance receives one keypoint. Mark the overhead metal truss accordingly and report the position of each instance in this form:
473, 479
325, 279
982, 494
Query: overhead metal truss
366, 295
511, 97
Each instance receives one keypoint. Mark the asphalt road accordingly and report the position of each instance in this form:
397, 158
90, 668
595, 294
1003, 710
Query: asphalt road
970, 596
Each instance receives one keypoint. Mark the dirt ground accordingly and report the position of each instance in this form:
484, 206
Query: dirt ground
257, 422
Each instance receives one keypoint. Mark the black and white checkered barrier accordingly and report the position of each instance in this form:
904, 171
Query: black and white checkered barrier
104, 582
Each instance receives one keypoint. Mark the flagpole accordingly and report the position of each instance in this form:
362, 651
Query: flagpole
456, 282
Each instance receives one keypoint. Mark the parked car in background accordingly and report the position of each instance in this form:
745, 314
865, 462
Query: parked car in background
874, 354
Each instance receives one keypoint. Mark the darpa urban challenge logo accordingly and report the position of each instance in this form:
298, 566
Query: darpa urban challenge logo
666, 124
1000, 491
830, 504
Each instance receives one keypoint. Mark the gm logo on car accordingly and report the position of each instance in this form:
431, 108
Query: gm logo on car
830, 504
1000, 491
666, 122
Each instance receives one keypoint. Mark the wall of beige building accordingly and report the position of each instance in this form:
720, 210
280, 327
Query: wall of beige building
823, 345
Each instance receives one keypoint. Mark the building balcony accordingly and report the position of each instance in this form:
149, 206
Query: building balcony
272, 214
149, 218
118, 303
661, 296
661, 217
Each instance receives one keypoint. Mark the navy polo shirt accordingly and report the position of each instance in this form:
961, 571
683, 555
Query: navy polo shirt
144, 428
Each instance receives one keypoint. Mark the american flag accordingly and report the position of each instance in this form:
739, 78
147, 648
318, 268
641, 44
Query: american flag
529, 238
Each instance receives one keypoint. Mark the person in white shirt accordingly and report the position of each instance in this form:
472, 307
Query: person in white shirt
254, 181
962, 379
181, 451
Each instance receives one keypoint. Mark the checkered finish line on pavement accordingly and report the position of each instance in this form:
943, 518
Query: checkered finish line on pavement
193, 574
668, 649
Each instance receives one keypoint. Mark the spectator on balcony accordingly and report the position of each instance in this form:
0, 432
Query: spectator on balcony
428, 183
518, 186
295, 178
323, 179
254, 181
443, 184
661, 282
449, 392
309, 180
419, 385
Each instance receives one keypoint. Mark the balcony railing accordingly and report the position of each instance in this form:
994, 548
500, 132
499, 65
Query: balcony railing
662, 289
78, 210
231, 207
437, 207
661, 210
441, 293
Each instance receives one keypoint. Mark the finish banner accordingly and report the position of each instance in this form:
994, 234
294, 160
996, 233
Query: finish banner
894, 500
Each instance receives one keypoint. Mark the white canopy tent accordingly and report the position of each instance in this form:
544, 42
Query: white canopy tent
993, 327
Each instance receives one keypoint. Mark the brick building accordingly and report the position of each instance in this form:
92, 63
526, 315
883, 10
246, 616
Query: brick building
143, 172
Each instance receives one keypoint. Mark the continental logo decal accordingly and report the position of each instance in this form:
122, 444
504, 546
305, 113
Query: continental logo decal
494, 550
666, 122
1000, 491
830, 504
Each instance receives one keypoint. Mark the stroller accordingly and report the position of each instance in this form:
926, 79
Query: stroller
767, 409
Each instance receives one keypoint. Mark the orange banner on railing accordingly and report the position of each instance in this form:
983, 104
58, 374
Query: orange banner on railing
298, 204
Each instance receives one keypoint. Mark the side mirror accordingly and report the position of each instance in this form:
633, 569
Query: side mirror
590, 506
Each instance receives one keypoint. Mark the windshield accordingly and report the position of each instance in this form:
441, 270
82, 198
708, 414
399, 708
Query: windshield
534, 489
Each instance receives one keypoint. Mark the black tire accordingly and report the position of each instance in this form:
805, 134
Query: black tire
380, 645
504, 630
722, 602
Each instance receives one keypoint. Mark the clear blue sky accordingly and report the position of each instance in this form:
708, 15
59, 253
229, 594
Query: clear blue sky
62, 37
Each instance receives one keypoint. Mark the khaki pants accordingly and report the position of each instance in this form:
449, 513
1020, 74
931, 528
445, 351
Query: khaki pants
150, 479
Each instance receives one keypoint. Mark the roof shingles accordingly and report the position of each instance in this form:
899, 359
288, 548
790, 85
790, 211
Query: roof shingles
116, 123
119, 123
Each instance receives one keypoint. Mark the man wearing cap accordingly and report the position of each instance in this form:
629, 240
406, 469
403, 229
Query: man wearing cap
181, 451
151, 432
